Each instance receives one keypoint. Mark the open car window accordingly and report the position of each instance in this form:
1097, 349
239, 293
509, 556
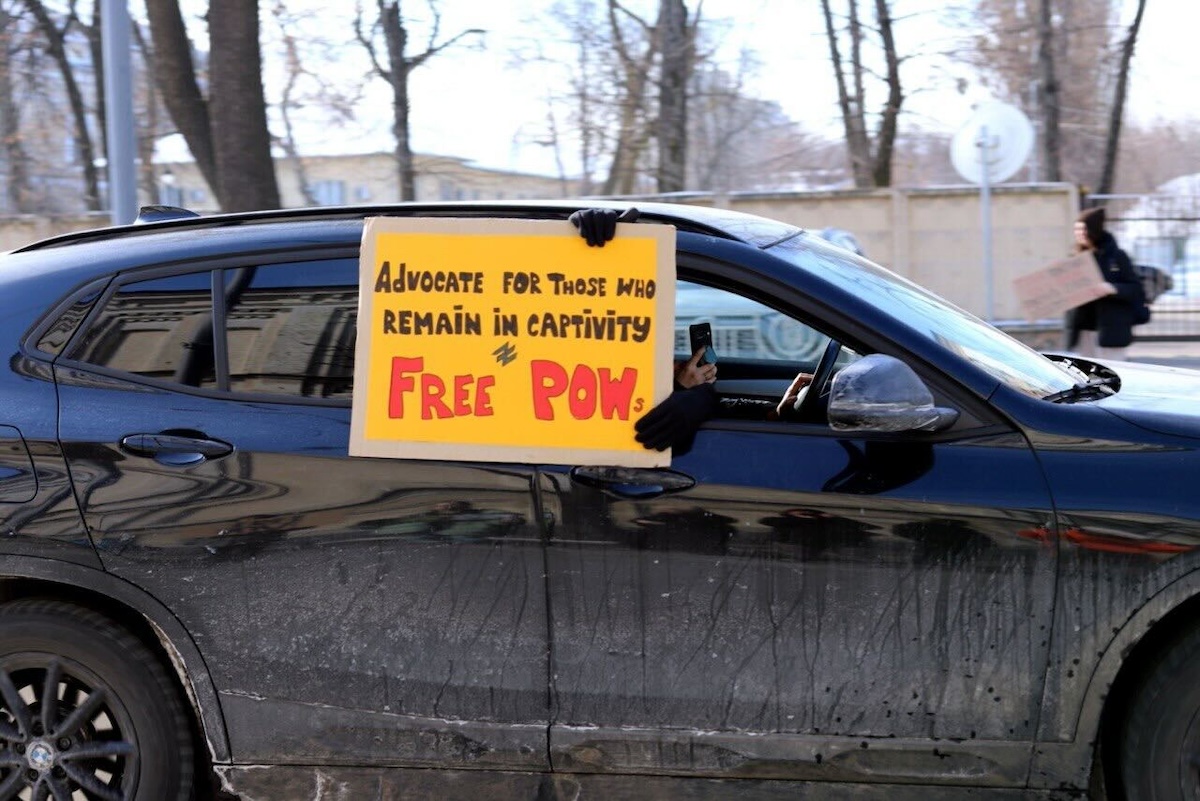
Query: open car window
759, 349
743, 329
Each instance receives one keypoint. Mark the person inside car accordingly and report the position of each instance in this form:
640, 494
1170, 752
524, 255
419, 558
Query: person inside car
673, 422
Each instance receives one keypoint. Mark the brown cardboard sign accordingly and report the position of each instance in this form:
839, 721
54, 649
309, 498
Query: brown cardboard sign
1060, 285
511, 341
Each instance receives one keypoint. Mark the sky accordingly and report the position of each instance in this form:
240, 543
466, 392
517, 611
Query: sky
483, 104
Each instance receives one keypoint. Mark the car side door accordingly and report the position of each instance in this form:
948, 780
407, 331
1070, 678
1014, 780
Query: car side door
350, 610
791, 601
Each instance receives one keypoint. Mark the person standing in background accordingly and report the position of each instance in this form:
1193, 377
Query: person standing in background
1104, 327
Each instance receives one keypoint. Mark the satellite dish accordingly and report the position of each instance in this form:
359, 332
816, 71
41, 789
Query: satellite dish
998, 135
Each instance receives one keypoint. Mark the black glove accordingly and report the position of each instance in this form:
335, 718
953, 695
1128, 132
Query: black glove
673, 423
598, 226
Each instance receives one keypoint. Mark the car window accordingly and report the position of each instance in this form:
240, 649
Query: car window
1001, 356
290, 328
742, 328
160, 328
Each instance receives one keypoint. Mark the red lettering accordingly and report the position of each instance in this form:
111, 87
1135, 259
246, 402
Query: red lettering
432, 390
402, 383
588, 389
583, 393
462, 392
549, 381
483, 400
615, 393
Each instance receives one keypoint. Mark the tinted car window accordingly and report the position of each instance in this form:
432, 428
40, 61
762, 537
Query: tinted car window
59, 334
290, 328
160, 328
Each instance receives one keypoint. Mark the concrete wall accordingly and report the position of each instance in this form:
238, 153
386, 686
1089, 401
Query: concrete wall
932, 236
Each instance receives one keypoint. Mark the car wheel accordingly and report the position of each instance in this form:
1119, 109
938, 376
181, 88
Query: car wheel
86, 711
1160, 753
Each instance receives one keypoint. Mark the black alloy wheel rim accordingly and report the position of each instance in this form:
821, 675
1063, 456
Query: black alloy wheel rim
63, 734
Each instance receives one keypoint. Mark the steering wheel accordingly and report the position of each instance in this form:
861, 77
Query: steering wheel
814, 400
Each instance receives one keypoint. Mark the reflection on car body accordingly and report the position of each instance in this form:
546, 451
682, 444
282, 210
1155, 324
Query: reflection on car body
971, 572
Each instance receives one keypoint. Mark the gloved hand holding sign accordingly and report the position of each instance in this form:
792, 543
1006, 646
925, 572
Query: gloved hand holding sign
598, 226
672, 423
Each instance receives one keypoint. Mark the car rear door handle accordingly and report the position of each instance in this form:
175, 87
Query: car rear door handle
175, 450
629, 482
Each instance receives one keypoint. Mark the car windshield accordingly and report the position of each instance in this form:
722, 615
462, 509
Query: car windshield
1011, 362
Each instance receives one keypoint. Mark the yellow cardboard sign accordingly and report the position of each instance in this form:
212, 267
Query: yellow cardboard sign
511, 340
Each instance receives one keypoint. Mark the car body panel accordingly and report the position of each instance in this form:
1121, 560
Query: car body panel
807, 586
786, 609
401, 594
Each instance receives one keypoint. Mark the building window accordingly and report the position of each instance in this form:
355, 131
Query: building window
328, 193
170, 195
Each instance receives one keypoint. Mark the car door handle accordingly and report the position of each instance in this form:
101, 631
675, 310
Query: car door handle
630, 482
175, 450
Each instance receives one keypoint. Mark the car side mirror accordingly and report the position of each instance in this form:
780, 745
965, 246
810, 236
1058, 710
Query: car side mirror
881, 393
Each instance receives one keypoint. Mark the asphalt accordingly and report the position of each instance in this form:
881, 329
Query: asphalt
1183, 353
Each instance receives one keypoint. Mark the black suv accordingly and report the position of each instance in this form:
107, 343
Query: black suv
978, 570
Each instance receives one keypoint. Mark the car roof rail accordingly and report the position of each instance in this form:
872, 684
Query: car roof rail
156, 217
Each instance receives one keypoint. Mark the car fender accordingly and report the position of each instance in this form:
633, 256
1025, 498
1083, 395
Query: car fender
185, 657
1052, 760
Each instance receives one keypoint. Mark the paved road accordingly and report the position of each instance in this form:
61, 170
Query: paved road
1172, 354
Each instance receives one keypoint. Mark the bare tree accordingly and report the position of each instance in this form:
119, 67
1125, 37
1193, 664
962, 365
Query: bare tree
678, 60
245, 170
1112, 142
227, 131
636, 44
1155, 153
179, 87
870, 162
14, 159
55, 37
1049, 101
391, 25
739, 142
294, 72
1063, 64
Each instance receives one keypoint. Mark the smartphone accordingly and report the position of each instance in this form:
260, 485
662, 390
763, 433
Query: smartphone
701, 336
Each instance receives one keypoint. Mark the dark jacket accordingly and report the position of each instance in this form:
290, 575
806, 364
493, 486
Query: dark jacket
1111, 317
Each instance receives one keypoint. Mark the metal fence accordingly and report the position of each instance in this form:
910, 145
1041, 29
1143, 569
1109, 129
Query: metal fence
1163, 231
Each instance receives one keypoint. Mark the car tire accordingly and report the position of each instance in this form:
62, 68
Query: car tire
1160, 744
116, 729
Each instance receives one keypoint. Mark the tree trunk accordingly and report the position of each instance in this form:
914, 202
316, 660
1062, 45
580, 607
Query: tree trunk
1113, 140
672, 96
176, 79
147, 126
54, 44
396, 38
857, 143
95, 35
632, 135
14, 160
240, 137
1048, 94
886, 139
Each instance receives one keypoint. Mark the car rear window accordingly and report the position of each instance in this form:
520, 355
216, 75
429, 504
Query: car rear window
281, 330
